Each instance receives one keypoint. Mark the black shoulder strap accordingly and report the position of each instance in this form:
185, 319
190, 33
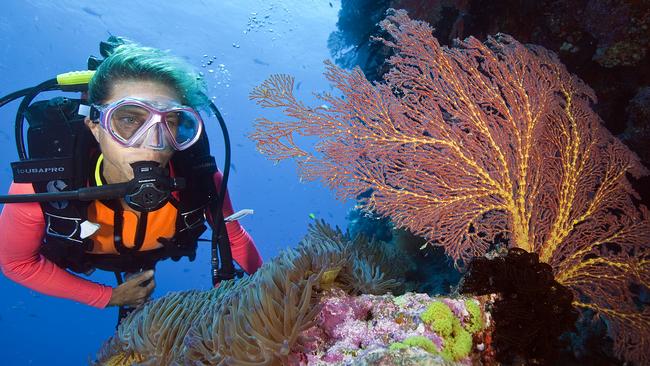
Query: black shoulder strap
57, 132
198, 167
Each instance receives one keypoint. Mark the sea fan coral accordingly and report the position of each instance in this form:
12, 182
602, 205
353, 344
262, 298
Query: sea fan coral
481, 141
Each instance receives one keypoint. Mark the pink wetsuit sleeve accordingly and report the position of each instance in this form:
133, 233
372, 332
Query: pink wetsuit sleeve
22, 227
243, 248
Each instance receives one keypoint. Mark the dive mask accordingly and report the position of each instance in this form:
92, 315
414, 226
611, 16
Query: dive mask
134, 122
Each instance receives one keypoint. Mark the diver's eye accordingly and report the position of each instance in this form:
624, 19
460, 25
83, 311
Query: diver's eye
128, 120
129, 115
173, 118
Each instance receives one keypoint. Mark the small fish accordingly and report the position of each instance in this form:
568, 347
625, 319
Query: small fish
233, 167
298, 85
312, 216
260, 62
90, 11
331, 6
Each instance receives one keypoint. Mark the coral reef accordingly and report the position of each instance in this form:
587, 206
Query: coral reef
290, 307
482, 141
353, 330
637, 132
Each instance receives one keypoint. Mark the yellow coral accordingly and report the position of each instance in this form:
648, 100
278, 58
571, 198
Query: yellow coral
439, 317
476, 321
421, 342
457, 341
461, 344
123, 359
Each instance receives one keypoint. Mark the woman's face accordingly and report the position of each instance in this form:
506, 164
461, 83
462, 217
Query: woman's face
117, 158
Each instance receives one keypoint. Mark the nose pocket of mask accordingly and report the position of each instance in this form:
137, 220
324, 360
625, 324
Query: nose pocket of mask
154, 138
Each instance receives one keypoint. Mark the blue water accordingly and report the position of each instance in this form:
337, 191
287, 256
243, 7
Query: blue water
247, 40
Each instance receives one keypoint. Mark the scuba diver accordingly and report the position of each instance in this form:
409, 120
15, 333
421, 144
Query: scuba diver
118, 180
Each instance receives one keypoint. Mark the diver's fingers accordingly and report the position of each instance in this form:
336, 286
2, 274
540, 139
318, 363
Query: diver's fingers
144, 276
139, 277
150, 286
142, 299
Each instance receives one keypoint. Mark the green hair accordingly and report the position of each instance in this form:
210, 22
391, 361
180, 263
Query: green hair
130, 61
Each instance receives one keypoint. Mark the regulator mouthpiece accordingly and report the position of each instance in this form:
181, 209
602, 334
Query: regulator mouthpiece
151, 186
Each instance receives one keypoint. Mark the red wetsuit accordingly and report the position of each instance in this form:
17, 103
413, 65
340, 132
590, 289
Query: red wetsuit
22, 227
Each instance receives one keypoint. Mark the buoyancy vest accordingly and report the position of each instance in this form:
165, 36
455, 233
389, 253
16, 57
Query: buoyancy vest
119, 230
123, 242
119, 244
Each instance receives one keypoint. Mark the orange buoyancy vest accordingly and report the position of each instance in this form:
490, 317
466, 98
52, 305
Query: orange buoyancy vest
157, 224
85, 235
125, 229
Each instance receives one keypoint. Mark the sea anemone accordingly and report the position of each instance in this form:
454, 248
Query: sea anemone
252, 321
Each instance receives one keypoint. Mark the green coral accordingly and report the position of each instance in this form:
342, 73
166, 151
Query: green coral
475, 323
416, 341
439, 317
461, 344
397, 345
457, 341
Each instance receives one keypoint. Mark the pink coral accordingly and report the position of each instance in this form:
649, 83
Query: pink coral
351, 328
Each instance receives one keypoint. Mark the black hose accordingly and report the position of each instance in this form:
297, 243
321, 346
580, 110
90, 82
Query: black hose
108, 191
227, 269
13, 96
21, 93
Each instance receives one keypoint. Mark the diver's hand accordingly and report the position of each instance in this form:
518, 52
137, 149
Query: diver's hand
134, 291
